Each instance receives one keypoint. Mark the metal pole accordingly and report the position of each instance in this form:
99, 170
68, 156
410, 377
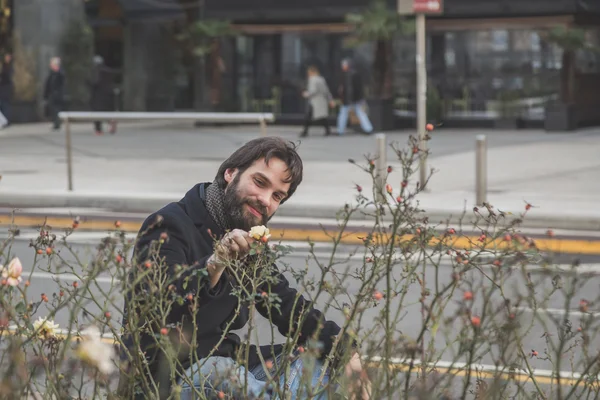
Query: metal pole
480, 170
380, 165
263, 127
421, 97
69, 153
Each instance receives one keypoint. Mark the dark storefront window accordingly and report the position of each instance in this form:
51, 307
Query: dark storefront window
271, 69
244, 72
471, 70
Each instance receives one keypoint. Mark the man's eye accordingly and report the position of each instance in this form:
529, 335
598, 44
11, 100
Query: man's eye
278, 197
259, 182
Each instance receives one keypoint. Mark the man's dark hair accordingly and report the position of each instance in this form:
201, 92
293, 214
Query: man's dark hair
267, 148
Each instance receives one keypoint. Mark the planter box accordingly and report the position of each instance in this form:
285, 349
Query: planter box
505, 123
381, 114
23, 112
560, 118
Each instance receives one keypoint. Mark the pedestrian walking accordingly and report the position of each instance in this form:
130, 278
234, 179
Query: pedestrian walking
6, 89
319, 100
352, 95
54, 92
102, 89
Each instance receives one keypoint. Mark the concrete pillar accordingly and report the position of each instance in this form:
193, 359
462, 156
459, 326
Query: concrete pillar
149, 70
134, 77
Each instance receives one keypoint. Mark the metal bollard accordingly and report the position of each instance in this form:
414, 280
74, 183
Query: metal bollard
263, 127
380, 165
480, 170
69, 146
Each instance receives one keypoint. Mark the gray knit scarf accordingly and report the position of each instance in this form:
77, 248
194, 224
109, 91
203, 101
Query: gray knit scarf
215, 206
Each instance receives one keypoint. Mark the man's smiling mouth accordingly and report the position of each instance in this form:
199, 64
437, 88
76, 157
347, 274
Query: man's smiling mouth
254, 211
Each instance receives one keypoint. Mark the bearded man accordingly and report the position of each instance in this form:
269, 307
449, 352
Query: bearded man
247, 191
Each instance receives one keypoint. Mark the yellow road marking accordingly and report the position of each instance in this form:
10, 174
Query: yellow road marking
555, 245
518, 376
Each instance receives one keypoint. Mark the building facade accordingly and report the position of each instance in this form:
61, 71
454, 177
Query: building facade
477, 52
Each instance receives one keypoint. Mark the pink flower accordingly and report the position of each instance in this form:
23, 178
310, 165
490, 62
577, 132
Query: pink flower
12, 272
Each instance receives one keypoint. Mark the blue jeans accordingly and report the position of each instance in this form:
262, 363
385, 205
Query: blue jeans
342, 120
222, 374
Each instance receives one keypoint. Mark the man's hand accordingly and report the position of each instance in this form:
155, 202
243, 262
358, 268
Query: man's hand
332, 104
235, 245
359, 379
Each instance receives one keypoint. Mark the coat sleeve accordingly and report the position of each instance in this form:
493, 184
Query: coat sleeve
313, 88
294, 309
327, 91
173, 252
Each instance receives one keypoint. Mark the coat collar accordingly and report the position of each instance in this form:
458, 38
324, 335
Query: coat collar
195, 207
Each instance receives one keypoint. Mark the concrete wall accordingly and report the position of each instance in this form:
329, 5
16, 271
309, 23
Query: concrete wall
38, 29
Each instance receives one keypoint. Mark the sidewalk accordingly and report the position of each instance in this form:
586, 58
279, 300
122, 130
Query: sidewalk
145, 166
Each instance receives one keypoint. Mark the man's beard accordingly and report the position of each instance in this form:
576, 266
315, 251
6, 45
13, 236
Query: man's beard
239, 216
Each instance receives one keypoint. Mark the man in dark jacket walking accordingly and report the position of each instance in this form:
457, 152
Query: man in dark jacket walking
54, 91
352, 94
102, 97
208, 229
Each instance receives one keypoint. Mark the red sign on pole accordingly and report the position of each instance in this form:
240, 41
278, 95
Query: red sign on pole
427, 6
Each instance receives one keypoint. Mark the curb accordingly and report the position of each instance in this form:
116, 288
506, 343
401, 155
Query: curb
151, 202
297, 232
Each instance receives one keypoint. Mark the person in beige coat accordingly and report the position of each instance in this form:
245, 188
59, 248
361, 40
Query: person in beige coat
319, 100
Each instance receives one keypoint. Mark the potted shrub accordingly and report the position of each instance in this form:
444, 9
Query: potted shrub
24, 106
561, 115
508, 110
379, 25
202, 40
435, 109
77, 50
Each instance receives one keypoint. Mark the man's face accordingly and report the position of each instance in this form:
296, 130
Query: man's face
252, 197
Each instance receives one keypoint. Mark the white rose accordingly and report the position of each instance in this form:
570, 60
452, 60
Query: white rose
46, 328
260, 232
96, 353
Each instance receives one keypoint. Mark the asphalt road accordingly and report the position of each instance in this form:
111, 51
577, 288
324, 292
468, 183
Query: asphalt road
538, 329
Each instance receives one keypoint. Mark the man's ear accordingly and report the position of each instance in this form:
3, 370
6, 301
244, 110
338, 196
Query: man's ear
230, 174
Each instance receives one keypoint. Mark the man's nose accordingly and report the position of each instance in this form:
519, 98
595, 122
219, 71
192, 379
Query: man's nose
265, 200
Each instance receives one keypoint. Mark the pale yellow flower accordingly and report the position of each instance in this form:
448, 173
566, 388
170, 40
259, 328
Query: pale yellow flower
46, 328
96, 353
260, 232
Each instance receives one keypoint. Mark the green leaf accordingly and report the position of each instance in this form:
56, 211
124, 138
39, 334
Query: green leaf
21, 308
377, 22
200, 51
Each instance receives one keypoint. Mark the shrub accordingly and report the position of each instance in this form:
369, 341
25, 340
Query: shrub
427, 303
